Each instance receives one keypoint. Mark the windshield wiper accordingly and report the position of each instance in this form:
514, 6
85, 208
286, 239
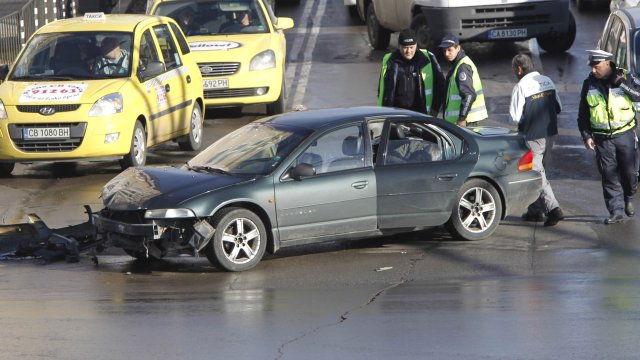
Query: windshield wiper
207, 169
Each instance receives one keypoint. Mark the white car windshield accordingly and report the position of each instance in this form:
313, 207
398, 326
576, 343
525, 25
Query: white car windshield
75, 55
213, 17
255, 149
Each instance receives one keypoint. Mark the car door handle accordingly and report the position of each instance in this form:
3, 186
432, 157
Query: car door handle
167, 88
447, 177
360, 184
188, 79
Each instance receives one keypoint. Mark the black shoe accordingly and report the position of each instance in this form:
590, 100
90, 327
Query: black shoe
554, 216
613, 219
629, 209
537, 217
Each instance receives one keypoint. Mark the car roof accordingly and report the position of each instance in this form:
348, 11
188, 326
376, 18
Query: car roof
315, 119
633, 14
112, 22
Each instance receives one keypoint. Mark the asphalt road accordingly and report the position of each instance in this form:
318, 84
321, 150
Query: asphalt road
529, 292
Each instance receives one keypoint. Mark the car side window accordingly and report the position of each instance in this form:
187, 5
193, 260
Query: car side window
420, 142
621, 51
337, 150
168, 47
148, 50
182, 42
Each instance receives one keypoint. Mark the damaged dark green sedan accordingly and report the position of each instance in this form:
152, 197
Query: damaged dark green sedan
306, 177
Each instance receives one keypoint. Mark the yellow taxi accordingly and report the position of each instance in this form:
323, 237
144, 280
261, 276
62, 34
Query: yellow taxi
239, 46
100, 87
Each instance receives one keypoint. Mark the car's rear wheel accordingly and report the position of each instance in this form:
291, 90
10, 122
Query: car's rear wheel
193, 141
379, 37
6, 169
477, 211
137, 155
239, 241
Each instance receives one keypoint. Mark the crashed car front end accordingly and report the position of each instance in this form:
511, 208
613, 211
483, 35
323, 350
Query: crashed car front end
151, 233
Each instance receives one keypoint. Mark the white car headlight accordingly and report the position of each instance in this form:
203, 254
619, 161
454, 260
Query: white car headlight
3, 111
107, 105
169, 214
264, 60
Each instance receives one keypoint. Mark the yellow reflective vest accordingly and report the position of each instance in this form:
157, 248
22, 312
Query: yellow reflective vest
478, 109
610, 117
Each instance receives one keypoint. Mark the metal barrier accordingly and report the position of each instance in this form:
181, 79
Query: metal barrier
17, 27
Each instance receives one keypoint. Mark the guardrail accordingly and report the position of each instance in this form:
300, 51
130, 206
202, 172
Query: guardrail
17, 27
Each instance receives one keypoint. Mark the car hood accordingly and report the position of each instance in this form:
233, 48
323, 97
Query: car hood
58, 92
138, 188
228, 47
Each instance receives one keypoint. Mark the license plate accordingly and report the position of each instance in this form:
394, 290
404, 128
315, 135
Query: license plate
45, 133
209, 84
507, 33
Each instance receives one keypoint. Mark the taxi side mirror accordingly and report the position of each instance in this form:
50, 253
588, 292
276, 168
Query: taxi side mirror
4, 70
284, 23
153, 69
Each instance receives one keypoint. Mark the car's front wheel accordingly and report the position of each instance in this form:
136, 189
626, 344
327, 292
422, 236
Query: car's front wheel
378, 35
477, 211
193, 141
239, 241
420, 26
137, 155
278, 106
561, 43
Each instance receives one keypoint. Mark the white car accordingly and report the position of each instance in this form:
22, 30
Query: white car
621, 4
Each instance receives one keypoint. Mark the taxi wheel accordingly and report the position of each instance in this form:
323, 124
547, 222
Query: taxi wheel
137, 155
6, 169
193, 141
277, 107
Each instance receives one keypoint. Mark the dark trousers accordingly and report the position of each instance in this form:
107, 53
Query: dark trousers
616, 157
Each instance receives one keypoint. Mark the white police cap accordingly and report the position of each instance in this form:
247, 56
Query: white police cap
596, 56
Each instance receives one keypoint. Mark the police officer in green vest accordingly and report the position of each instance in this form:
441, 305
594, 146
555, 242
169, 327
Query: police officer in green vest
464, 102
606, 120
411, 78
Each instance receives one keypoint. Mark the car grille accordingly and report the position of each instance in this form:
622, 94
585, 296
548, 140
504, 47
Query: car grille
57, 108
229, 93
76, 132
505, 17
218, 69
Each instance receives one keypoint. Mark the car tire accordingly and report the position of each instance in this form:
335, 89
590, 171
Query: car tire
193, 141
477, 211
277, 107
137, 155
6, 169
562, 43
138, 255
379, 37
420, 26
353, 12
234, 249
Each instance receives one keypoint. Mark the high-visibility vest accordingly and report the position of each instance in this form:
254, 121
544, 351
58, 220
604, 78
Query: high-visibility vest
427, 79
610, 117
478, 109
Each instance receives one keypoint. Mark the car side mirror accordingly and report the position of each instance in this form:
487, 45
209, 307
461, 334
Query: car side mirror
302, 170
4, 71
284, 23
153, 69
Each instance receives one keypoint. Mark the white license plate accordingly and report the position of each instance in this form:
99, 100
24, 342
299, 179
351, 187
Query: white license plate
209, 84
507, 33
45, 133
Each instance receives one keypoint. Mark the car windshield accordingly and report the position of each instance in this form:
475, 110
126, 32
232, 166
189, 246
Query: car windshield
75, 55
213, 17
256, 149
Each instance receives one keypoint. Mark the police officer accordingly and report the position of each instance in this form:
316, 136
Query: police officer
464, 102
534, 107
411, 78
606, 120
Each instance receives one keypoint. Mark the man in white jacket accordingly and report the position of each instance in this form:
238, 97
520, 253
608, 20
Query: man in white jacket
534, 107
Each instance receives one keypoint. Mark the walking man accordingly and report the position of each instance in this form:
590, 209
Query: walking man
411, 78
606, 120
464, 102
534, 107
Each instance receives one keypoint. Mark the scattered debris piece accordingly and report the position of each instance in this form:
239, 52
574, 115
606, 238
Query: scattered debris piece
385, 268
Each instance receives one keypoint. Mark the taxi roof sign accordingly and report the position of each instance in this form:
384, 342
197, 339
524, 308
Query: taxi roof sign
94, 16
